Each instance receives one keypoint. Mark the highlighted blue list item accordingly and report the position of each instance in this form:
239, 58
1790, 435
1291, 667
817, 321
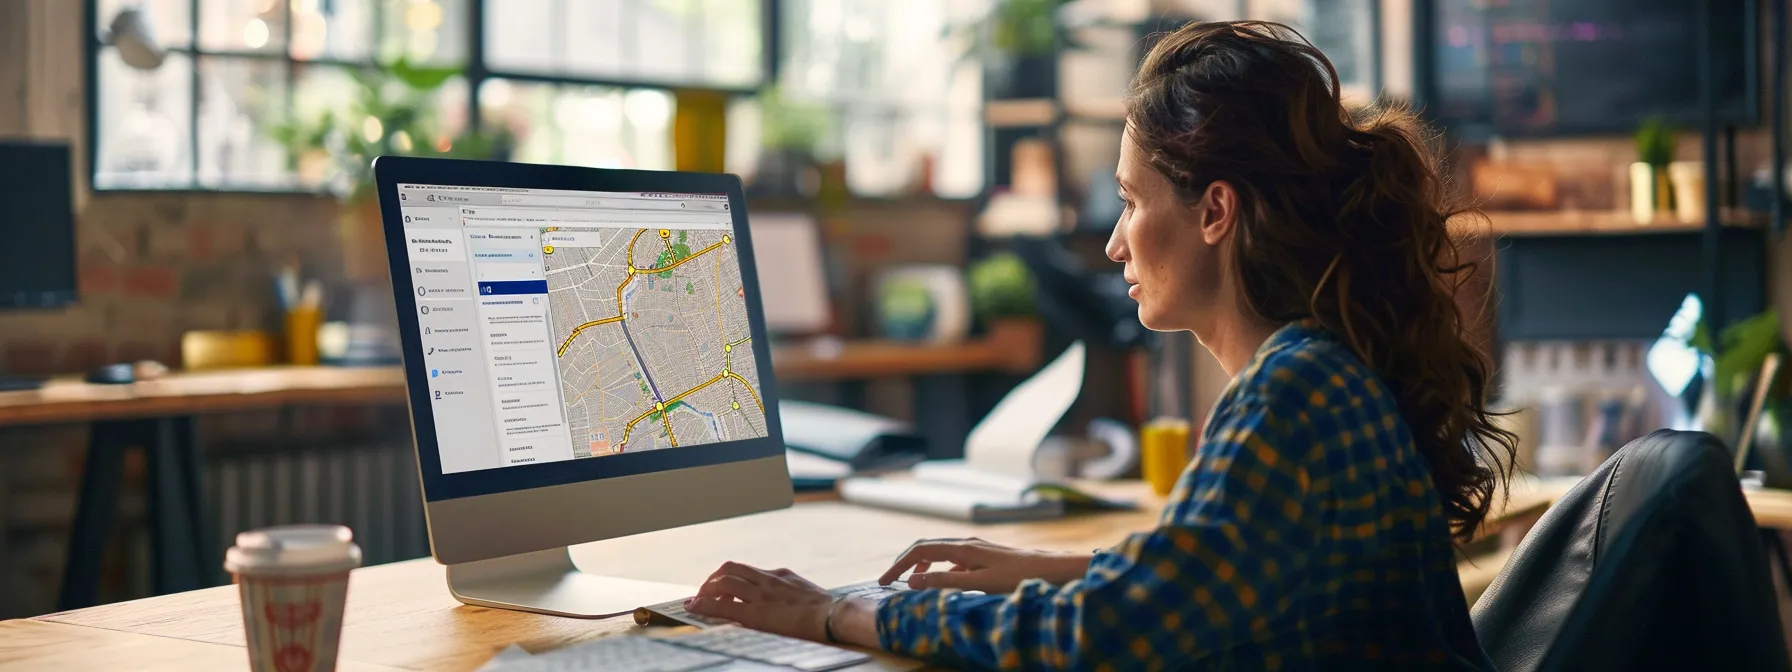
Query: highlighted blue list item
513, 287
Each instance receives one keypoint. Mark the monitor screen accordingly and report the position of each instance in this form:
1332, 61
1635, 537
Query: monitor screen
37, 259
788, 249
560, 325
1537, 67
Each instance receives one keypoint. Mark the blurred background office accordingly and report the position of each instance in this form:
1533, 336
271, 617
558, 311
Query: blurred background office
931, 185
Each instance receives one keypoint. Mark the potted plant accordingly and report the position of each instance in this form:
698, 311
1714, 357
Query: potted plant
1651, 191
1017, 43
392, 114
1002, 299
792, 133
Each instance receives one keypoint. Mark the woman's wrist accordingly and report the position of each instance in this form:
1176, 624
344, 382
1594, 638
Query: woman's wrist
853, 621
1067, 567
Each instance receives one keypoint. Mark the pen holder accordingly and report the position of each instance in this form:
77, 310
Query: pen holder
301, 335
1163, 453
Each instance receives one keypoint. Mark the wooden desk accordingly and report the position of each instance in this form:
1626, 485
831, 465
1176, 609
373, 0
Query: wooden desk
400, 616
1772, 507
158, 416
71, 400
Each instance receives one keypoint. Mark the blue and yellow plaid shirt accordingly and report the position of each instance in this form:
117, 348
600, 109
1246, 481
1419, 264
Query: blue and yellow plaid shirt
1305, 534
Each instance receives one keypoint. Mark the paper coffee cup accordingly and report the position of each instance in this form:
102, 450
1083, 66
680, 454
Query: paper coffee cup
293, 581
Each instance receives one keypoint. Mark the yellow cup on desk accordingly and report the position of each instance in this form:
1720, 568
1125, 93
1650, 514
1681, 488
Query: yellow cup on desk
301, 335
1163, 452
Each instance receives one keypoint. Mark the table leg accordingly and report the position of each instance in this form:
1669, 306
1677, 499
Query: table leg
179, 546
97, 505
176, 508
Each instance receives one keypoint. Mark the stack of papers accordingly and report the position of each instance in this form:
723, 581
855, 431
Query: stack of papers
996, 482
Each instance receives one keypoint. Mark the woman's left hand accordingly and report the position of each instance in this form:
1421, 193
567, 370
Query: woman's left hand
774, 601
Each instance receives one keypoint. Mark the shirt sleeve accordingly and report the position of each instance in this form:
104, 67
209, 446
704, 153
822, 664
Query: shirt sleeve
1220, 569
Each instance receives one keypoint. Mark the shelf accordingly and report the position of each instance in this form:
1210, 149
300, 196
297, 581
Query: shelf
855, 360
1113, 110
1585, 222
1020, 113
1037, 112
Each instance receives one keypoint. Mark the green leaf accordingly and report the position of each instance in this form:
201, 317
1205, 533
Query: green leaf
420, 77
1746, 345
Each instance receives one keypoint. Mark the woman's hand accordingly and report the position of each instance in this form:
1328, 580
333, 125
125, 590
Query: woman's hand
781, 602
980, 565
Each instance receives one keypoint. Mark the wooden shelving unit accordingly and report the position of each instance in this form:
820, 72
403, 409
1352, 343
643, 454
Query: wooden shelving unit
861, 360
1589, 222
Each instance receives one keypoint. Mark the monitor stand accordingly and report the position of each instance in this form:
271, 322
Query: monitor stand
546, 582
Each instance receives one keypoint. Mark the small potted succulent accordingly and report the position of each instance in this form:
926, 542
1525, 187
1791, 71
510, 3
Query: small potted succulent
794, 134
1002, 299
1651, 191
1017, 43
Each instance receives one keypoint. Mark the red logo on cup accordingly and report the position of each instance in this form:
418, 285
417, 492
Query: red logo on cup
292, 658
293, 615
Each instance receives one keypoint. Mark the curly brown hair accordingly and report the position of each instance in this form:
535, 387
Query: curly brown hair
1343, 217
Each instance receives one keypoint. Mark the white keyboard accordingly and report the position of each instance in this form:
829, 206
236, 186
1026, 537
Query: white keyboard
721, 649
621, 652
764, 647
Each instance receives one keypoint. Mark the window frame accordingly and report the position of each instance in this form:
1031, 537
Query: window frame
476, 72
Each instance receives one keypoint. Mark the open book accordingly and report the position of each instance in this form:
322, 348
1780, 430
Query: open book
996, 481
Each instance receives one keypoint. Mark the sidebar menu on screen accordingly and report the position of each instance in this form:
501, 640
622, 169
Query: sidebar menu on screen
513, 317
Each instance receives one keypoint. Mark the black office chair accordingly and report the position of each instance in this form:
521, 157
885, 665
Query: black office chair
1652, 562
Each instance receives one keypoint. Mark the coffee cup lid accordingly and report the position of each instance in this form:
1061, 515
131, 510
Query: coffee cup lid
294, 548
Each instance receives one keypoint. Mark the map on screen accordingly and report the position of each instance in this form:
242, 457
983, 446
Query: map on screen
652, 338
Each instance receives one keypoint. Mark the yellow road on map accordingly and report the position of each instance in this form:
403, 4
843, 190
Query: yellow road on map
663, 408
632, 270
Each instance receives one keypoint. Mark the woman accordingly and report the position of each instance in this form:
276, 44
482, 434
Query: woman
1307, 248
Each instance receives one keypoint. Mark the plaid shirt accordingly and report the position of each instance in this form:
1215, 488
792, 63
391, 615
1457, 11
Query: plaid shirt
1305, 534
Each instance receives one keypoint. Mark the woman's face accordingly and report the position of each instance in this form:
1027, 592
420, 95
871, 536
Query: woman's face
1171, 249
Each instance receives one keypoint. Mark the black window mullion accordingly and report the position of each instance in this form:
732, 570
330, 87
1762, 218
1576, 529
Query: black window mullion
193, 95
477, 70
291, 76
379, 30
771, 47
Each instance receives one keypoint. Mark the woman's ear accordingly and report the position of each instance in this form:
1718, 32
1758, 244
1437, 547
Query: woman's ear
1217, 211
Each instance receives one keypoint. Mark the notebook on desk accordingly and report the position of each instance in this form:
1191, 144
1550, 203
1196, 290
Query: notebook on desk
997, 481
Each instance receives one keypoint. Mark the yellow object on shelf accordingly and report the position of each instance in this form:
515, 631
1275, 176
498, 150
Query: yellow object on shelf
1164, 453
225, 349
301, 335
700, 131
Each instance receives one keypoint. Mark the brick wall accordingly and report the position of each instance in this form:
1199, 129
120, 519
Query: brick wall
152, 266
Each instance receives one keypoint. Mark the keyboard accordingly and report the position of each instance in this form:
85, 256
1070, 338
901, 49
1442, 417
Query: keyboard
673, 613
720, 649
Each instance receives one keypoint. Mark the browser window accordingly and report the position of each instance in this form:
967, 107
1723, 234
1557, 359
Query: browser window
561, 325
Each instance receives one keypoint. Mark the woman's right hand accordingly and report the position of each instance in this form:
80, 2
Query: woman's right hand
980, 565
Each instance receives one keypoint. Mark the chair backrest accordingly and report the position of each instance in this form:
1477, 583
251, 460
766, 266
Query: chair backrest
1651, 561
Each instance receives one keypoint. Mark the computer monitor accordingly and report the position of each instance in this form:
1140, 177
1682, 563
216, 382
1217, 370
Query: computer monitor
586, 358
37, 259
793, 270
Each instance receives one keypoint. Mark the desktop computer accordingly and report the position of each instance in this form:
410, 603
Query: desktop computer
586, 357
37, 261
